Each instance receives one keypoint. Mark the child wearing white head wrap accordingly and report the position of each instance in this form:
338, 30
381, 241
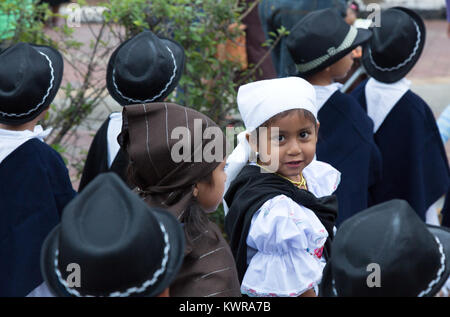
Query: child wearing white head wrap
258, 102
279, 252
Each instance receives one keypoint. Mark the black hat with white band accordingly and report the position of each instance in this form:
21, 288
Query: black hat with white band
396, 45
120, 246
322, 38
30, 76
387, 250
145, 68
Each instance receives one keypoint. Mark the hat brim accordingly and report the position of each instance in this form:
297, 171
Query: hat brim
176, 256
397, 74
180, 58
58, 70
442, 233
362, 37
178, 53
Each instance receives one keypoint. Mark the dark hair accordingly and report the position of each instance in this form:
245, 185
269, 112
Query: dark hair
300, 112
354, 6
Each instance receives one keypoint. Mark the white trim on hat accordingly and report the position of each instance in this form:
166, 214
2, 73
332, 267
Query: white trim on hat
439, 272
131, 290
346, 43
431, 284
43, 99
410, 57
155, 97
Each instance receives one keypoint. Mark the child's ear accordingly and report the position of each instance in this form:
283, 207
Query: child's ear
195, 192
252, 141
317, 131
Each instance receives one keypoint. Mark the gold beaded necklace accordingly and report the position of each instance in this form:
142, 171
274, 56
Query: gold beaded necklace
300, 184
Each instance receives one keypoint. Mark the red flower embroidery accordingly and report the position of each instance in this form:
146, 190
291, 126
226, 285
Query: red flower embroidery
318, 252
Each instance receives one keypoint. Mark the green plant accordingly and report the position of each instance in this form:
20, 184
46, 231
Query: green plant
200, 27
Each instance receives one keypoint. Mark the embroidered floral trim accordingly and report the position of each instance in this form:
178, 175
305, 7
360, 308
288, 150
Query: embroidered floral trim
254, 293
316, 253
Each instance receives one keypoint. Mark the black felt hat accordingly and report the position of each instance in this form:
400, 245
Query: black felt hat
396, 45
145, 68
413, 258
30, 76
121, 246
322, 38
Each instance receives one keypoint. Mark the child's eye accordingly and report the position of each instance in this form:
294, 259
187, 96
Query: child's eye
304, 134
281, 138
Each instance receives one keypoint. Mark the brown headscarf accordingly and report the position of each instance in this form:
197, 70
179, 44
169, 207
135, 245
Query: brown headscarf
150, 136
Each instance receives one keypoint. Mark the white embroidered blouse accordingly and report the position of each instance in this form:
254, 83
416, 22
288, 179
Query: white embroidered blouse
286, 240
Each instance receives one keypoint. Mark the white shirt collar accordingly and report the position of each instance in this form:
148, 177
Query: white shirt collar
322, 178
323, 93
382, 97
11, 140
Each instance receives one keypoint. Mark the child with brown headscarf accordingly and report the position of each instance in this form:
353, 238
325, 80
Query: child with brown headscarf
177, 160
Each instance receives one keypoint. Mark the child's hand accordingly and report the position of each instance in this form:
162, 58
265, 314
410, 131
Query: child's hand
309, 293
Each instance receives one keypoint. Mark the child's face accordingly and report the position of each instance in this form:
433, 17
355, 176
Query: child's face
210, 195
340, 69
351, 16
294, 145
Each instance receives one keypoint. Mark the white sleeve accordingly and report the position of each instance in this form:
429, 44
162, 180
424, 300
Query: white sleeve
288, 239
114, 129
431, 215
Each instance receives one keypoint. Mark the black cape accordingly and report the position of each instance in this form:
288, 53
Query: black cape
34, 190
415, 166
97, 159
346, 142
250, 190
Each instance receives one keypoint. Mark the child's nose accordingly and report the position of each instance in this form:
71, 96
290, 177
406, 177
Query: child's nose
294, 148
